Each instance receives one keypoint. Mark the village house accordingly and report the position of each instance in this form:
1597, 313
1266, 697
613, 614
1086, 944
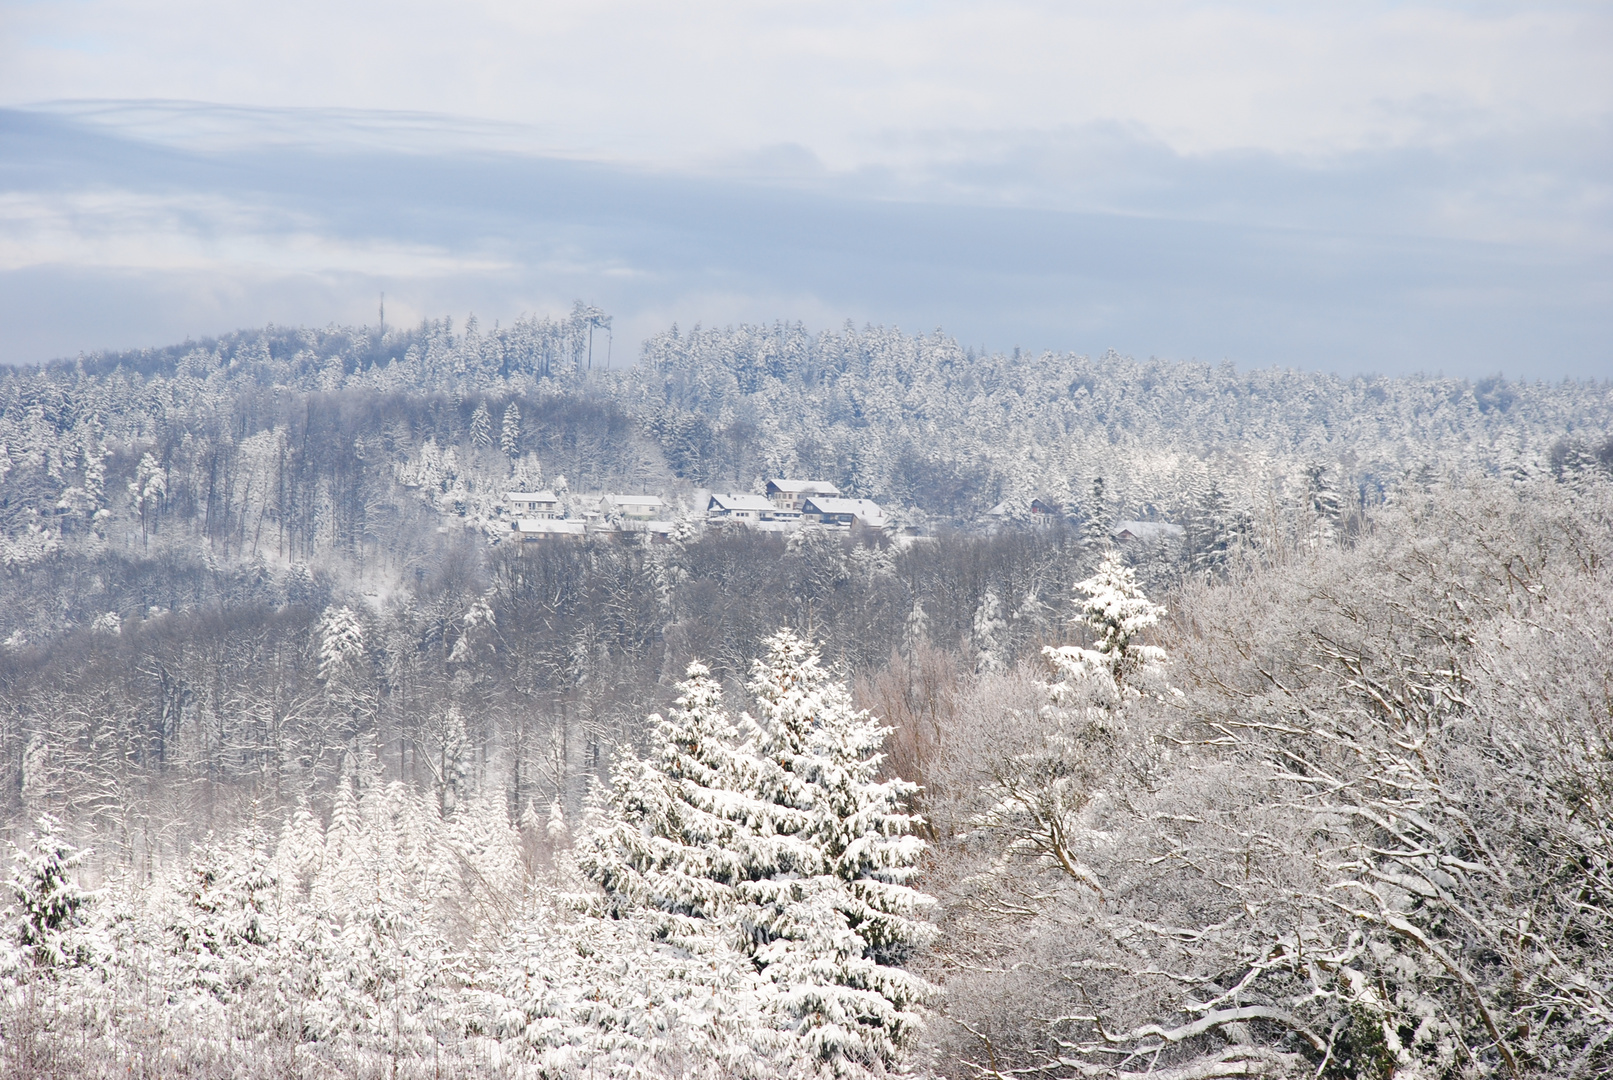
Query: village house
842, 513
633, 507
542, 505
746, 508
538, 530
1042, 512
790, 494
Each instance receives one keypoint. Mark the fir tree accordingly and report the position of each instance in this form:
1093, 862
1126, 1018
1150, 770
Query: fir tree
989, 627
510, 431
829, 907
1116, 611
481, 427
673, 834
49, 905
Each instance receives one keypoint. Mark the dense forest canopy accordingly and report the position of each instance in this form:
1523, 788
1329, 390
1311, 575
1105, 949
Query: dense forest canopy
315, 769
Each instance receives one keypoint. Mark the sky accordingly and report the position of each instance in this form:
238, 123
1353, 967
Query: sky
1353, 187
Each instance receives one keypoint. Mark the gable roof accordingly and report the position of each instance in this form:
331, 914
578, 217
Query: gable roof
759, 503
803, 487
866, 509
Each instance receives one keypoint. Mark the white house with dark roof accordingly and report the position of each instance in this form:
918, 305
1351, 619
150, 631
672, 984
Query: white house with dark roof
843, 513
790, 494
746, 508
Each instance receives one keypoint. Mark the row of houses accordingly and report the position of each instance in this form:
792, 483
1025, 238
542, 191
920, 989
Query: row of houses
788, 504
538, 516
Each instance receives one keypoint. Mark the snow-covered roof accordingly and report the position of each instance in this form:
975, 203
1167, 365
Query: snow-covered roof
1147, 530
646, 502
529, 496
865, 509
731, 503
803, 487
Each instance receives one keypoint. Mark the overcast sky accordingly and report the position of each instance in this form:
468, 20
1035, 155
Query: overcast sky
1347, 186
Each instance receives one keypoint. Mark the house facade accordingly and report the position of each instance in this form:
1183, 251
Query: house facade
842, 513
745, 508
633, 507
541, 505
791, 494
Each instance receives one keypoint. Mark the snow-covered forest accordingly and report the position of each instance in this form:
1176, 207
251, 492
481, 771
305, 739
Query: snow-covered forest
310, 771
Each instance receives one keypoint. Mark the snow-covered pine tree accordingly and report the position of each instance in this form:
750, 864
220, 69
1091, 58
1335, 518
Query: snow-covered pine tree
675, 828
1116, 611
481, 427
989, 628
915, 632
1209, 530
653, 979
828, 904
341, 645
1322, 505
1039, 799
226, 917
510, 431
48, 904
1096, 517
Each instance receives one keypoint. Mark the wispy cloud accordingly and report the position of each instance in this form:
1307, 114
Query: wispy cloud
1379, 185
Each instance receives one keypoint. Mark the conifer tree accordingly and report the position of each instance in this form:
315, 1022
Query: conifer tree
510, 431
48, 903
1116, 611
341, 645
989, 627
481, 427
675, 827
829, 906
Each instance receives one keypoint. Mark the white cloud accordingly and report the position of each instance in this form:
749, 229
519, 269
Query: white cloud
111, 229
670, 84
1274, 182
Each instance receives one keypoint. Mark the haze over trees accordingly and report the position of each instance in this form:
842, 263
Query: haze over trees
312, 771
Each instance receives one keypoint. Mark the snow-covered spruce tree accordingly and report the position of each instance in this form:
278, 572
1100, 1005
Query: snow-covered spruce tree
1040, 795
827, 902
671, 837
48, 906
1115, 611
989, 628
225, 922
649, 979
341, 645
510, 431
481, 427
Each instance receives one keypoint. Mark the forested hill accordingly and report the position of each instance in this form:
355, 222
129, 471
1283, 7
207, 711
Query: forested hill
1217, 723
349, 455
934, 431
